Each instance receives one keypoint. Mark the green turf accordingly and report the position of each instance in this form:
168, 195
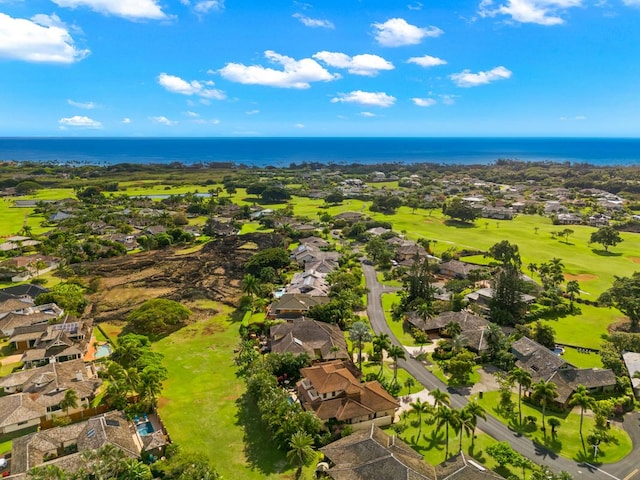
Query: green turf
567, 441
199, 403
582, 360
437, 371
396, 326
387, 375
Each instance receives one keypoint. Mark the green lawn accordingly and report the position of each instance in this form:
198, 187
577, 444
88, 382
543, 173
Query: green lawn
567, 442
582, 360
201, 399
387, 374
390, 283
397, 327
437, 371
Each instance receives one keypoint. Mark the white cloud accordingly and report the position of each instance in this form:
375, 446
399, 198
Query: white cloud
43, 39
631, 3
85, 105
396, 32
79, 121
313, 22
365, 64
252, 112
162, 120
448, 99
178, 85
578, 118
367, 114
126, 120
295, 73
542, 12
427, 61
201, 121
299, 125
467, 79
424, 102
376, 99
129, 9
415, 6
192, 114
206, 6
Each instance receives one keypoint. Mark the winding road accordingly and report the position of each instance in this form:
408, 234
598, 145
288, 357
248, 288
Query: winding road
626, 469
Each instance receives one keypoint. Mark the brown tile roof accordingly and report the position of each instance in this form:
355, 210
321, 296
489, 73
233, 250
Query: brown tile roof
19, 408
371, 454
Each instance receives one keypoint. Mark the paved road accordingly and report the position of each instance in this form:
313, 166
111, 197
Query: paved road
623, 470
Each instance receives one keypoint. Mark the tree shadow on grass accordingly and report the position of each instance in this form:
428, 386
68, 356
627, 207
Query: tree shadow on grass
543, 451
259, 450
586, 458
604, 253
459, 224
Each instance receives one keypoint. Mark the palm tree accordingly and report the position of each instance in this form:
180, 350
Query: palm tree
381, 343
471, 412
544, 393
50, 472
421, 408
359, 334
524, 380
424, 311
452, 329
572, 289
440, 397
250, 285
301, 451
150, 387
449, 417
70, 400
582, 399
554, 423
396, 352
458, 342
409, 383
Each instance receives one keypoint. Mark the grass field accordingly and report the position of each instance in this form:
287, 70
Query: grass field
567, 441
396, 326
200, 402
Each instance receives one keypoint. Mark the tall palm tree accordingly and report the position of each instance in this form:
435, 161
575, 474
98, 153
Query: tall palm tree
70, 400
301, 451
359, 334
150, 387
424, 311
572, 289
396, 352
381, 343
452, 329
544, 393
458, 342
582, 399
421, 408
524, 380
250, 285
440, 397
471, 412
449, 417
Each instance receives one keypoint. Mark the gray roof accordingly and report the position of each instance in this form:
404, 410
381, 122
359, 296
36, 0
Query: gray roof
539, 361
19, 408
317, 339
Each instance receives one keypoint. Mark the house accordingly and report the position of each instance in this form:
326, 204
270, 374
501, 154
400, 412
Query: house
332, 391
309, 282
377, 231
60, 216
349, 217
155, 229
26, 315
319, 340
543, 364
497, 213
323, 265
128, 240
48, 384
632, 362
316, 242
294, 305
457, 269
472, 327
569, 219
221, 229
60, 342
18, 412
63, 446
483, 297
25, 291
372, 454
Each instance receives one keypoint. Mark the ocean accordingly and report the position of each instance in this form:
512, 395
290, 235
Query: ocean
284, 151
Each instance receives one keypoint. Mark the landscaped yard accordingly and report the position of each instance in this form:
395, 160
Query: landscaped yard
567, 441
200, 402
396, 326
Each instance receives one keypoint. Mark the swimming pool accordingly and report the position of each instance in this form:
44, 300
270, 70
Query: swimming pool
103, 350
145, 428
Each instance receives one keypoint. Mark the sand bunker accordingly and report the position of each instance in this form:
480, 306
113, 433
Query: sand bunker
582, 277
635, 259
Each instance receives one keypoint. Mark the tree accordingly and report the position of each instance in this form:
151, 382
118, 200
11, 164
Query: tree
566, 233
276, 257
506, 253
440, 397
572, 289
48, 472
421, 408
359, 334
502, 453
544, 393
452, 329
449, 417
158, 316
250, 285
460, 367
554, 423
301, 451
506, 306
624, 294
151, 379
69, 401
379, 251
334, 197
523, 378
409, 383
459, 209
68, 296
381, 343
607, 237
545, 335
396, 352
470, 413
584, 400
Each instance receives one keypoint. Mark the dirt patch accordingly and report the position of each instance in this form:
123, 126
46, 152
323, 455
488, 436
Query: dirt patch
635, 259
582, 277
212, 328
162, 402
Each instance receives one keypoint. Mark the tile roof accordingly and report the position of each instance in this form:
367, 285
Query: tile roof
309, 336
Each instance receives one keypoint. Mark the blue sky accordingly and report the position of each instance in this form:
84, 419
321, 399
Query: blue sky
327, 68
